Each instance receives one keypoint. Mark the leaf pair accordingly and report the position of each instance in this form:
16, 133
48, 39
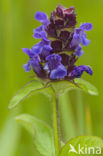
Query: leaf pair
59, 87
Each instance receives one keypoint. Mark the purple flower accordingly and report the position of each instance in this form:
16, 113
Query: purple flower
40, 33
35, 59
53, 61
78, 71
42, 17
38, 69
37, 48
59, 73
80, 35
54, 66
46, 50
42, 48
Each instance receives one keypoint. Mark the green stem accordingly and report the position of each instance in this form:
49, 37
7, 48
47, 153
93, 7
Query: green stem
55, 124
58, 121
88, 121
67, 117
80, 114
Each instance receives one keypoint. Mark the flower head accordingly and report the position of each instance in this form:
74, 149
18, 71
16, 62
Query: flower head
60, 47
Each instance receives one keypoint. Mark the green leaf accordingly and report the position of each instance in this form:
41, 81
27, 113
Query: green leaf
89, 145
87, 86
32, 86
43, 135
9, 138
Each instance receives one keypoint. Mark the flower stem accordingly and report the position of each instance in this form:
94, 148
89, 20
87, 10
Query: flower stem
88, 121
56, 124
80, 114
67, 117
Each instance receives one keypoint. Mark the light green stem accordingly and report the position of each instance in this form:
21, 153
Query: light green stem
88, 121
80, 114
67, 117
55, 124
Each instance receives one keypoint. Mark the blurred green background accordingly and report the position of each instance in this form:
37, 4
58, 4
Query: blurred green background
16, 30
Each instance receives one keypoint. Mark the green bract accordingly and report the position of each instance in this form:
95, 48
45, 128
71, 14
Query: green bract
60, 87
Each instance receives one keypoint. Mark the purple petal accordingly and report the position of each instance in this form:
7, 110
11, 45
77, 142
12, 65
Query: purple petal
35, 58
37, 35
75, 41
37, 32
78, 71
41, 35
88, 70
79, 51
54, 61
79, 36
46, 50
26, 51
39, 29
40, 16
78, 31
36, 67
86, 26
84, 40
44, 35
37, 48
46, 41
58, 73
46, 67
27, 66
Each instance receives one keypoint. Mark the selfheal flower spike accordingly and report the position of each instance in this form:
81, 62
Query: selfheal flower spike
54, 57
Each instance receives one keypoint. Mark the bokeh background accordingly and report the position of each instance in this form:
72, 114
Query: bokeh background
16, 30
